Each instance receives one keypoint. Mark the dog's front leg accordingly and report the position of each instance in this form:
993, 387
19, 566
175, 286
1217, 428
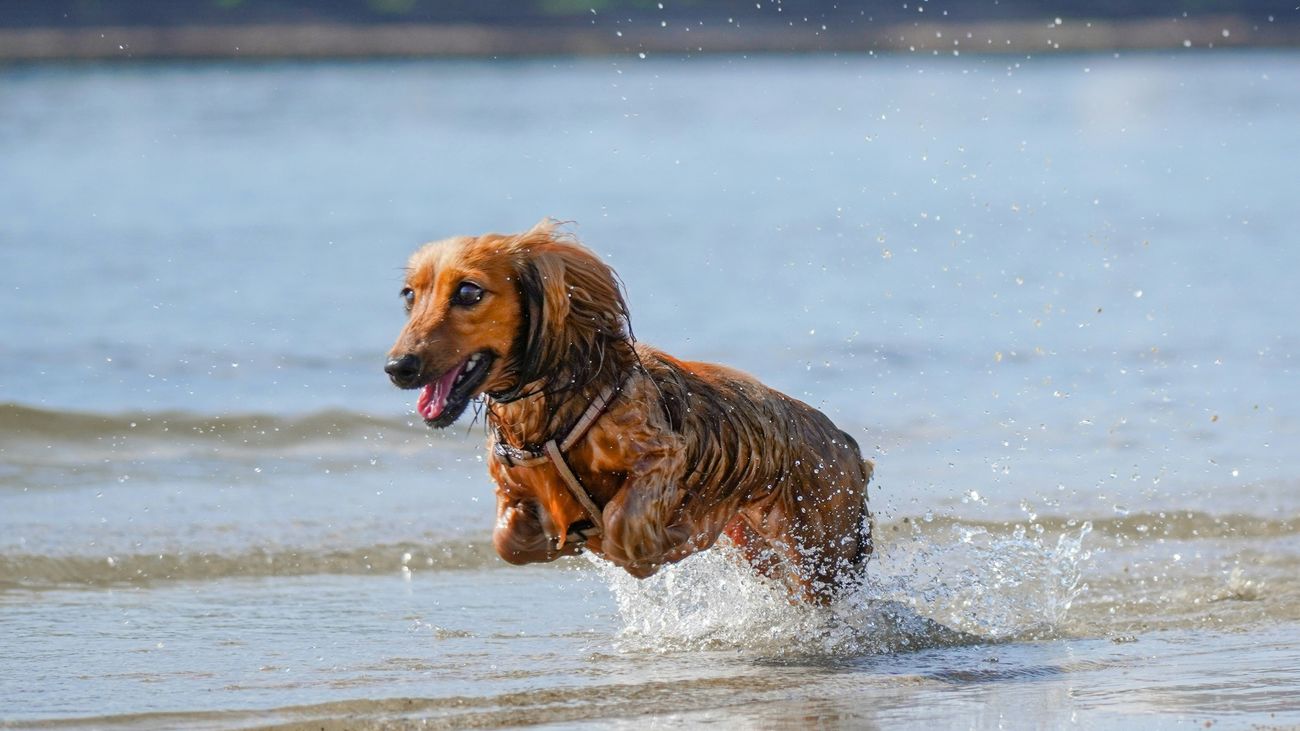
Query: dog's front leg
646, 523
520, 537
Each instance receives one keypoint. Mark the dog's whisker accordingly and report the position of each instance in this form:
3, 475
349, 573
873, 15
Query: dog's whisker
477, 405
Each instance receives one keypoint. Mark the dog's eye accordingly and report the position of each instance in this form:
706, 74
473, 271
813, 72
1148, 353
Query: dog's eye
408, 297
467, 294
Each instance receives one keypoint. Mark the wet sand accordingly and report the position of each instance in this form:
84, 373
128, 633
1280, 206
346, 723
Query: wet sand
1042, 36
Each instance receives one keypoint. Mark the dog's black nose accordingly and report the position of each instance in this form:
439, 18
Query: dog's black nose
403, 370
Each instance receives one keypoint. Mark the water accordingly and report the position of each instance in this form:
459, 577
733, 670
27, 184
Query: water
1052, 297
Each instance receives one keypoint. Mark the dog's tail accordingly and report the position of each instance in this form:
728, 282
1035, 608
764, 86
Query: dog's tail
865, 542
868, 467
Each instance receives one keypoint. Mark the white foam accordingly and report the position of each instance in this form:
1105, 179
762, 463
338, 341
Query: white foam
916, 592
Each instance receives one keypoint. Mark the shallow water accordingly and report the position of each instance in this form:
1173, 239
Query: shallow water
1051, 297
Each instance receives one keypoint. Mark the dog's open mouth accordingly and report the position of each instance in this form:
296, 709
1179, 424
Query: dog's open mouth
444, 399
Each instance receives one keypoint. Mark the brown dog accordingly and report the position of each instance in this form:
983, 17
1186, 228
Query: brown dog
601, 443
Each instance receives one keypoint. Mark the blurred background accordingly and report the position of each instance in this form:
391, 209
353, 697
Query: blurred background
367, 28
1037, 257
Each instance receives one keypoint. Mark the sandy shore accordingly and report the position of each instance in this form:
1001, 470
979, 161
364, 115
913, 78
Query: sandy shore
352, 41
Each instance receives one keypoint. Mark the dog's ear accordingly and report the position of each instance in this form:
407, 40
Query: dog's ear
572, 302
542, 312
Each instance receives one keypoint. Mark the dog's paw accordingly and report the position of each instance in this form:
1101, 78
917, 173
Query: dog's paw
641, 570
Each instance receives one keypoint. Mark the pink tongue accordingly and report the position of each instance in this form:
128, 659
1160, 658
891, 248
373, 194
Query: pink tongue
433, 397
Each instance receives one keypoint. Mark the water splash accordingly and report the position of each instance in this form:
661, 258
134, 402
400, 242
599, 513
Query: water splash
997, 587
922, 590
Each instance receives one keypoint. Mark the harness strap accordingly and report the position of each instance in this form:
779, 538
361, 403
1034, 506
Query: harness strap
575, 487
553, 452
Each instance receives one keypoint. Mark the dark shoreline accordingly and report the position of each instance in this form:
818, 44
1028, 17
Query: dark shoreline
478, 41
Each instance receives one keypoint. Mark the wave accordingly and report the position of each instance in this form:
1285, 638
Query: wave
44, 571
20, 423
1178, 525
918, 539
949, 582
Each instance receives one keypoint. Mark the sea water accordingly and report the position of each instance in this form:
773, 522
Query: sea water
1052, 296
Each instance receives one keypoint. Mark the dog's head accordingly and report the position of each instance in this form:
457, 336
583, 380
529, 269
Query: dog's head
507, 316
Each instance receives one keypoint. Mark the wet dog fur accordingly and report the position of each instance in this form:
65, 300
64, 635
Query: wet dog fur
684, 453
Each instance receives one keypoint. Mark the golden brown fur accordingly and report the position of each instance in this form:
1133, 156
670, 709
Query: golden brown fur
685, 452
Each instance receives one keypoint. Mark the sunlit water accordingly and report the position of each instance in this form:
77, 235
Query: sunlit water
1053, 297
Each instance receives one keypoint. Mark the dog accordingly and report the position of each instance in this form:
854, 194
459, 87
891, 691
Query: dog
603, 444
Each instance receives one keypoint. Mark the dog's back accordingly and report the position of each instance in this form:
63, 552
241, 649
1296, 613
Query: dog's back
797, 480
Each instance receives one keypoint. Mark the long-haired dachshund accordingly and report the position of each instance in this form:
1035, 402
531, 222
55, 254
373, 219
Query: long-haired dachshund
601, 443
